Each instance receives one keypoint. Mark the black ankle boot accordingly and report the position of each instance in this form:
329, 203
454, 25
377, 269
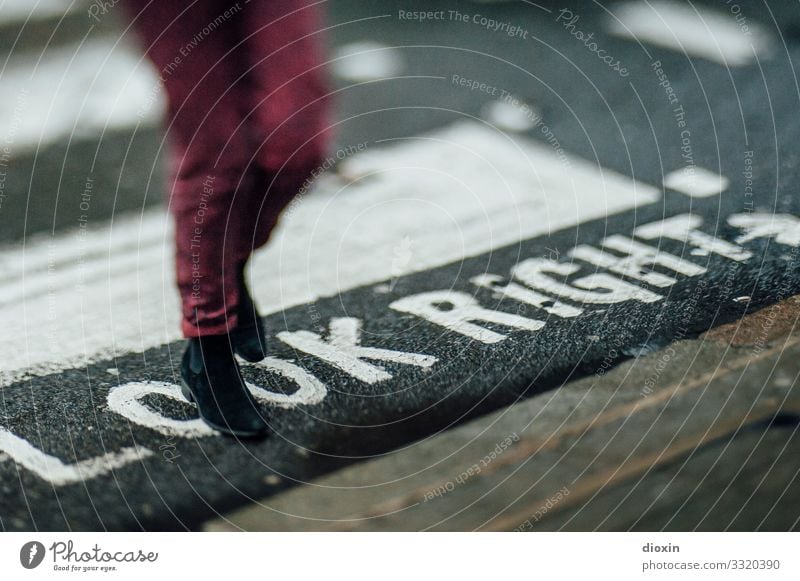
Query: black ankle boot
211, 379
248, 338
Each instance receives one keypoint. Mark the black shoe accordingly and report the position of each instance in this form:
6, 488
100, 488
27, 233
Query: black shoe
248, 338
211, 378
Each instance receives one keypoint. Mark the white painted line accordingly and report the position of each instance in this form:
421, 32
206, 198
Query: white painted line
76, 92
506, 116
366, 61
696, 182
58, 473
20, 11
692, 29
458, 191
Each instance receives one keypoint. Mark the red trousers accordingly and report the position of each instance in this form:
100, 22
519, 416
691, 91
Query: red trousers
247, 120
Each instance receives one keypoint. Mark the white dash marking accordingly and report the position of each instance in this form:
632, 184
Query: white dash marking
366, 61
77, 91
22, 11
508, 117
690, 29
696, 182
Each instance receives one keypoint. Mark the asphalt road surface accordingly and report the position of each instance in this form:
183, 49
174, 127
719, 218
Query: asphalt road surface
512, 204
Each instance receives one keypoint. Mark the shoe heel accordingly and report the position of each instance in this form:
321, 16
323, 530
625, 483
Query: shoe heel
187, 393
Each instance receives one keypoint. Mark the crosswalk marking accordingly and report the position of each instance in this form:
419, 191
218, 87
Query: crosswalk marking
76, 91
20, 11
458, 191
366, 61
696, 182
691, 29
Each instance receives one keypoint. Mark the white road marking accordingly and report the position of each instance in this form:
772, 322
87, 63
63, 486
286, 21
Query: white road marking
310, 390
125, 400
59, 473
366, 61
696, 182
460, 191
508, 117
691, 29
462, 312
785, 228
343, 350
637, 262
600, 289
76, 91
20, 11
525, 295
683, 228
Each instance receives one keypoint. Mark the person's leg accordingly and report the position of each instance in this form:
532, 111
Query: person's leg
287, 121
289, 114
193, 48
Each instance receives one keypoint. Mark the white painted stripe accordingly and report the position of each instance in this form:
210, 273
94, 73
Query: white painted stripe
692, 29
366, 61
412, 205
510, 117
59, 473
76, 91
696, 182
20, 11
